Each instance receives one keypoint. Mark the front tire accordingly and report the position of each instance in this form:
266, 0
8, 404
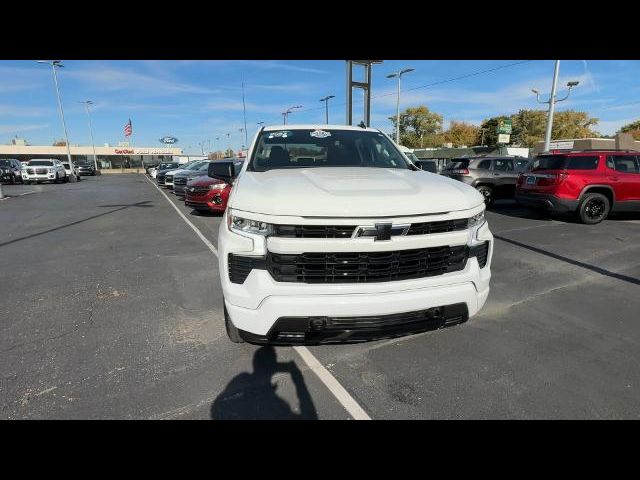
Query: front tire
594, 208
232, 332
487, 193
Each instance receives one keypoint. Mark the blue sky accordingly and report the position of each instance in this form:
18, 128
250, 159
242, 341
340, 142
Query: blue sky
197, 100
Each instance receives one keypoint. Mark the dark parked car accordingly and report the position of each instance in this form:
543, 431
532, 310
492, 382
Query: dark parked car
180, 179
163, 168
86, 168
10, 170
494, 177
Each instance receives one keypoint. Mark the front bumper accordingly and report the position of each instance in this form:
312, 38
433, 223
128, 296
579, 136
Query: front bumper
258, 306
546, 201
205, 202
34, 177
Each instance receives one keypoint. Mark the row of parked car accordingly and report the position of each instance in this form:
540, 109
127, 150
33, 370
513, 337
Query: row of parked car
192, 183
41, 170
588, 184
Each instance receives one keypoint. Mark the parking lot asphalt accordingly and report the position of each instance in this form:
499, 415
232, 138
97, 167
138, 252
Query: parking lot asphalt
111, 308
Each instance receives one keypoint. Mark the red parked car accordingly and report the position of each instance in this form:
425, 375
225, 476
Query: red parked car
209, 194
589, 183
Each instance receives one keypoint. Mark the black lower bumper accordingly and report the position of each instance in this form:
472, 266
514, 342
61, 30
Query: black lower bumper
322, 330
546, 201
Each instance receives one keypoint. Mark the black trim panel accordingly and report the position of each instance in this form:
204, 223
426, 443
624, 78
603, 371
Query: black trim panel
321, 330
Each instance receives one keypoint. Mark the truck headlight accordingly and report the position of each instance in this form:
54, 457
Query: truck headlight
475, 223
477, 220
245, 225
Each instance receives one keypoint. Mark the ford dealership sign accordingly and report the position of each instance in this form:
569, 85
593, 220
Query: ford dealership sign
168, 140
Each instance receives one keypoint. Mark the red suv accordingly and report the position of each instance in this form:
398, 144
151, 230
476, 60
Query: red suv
591, 183
210, 194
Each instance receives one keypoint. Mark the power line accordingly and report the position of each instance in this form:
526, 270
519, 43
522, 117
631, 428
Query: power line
440, 82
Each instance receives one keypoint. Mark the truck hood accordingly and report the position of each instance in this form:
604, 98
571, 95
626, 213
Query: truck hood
350, 192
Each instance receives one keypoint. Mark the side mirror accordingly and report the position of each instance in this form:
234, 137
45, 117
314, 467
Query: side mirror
222, 170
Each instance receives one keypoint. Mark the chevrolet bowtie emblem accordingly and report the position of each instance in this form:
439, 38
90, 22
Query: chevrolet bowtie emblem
382, 231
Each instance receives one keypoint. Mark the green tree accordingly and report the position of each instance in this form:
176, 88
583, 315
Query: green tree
572, 124
528, 126
419, 127
632, 128
229, 153
462, 133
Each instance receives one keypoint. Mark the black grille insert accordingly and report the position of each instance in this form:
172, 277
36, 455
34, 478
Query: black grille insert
314, 231
356, 267
366, 267
481, 252
345, 231
438, 227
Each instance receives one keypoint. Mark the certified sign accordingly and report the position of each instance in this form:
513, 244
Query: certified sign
168, 140
504, 138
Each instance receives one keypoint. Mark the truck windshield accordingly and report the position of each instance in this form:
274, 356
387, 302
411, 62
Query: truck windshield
41, 163
307, 148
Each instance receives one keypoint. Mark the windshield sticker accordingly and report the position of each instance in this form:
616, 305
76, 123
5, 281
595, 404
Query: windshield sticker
280, 134
320, 134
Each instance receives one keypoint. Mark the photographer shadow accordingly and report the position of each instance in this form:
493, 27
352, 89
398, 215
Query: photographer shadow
252, 396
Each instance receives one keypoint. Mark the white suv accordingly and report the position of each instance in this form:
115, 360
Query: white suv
332, 235
41, 170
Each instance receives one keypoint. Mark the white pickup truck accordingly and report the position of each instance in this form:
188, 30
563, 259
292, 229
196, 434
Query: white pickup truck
332, 235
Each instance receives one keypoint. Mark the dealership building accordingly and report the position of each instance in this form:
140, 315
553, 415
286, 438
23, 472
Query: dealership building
107, 156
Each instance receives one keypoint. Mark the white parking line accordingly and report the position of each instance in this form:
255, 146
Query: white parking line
188, 222
341, 394
338, 391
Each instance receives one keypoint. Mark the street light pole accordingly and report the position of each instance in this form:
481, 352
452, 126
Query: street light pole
54, 64
552, 103
326, 105
93, 143
286, 114
398, 75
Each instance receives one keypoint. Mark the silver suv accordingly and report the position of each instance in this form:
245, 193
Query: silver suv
494, 177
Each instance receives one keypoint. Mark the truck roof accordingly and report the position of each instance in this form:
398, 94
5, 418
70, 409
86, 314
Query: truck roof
317, 127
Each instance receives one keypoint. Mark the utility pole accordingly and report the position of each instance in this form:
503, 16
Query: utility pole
552, 103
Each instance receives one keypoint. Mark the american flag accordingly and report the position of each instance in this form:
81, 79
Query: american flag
128, 129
